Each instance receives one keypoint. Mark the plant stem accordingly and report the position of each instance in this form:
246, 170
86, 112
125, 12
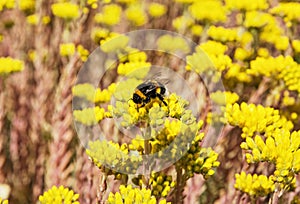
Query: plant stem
179, 185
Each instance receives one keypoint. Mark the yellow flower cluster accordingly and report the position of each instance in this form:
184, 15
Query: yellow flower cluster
3, 201
181, 23
89, 116
168, 43
99, 34
93, 3
254, 185
136, 15
282, 149
161, 184
130, 195
126, 1
209, 56
290, 10
296, 45
9, 4
157, 10
97, 95
247, 5
27, 5
110, 15
114, 42
84, 53
280, 68
270, 66
223, 98
67, 49
222, 34
255, 119
32, 19
65, 10
138, 69
212, 11
236, 71
200, 160
109, 154
8, 65
257, 19
59, 195
185, 1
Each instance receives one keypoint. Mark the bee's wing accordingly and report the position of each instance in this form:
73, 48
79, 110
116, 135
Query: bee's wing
159, 77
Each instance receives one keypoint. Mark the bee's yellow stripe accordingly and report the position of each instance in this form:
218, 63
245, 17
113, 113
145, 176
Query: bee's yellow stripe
158, 90
138, 92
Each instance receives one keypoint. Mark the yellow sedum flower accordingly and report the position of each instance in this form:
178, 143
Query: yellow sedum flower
136, 14
255, 119
289, 10
254, 185
296, 45
168, 43
223, 98
98, 34
27, 5
185, 1
161, 184
59, 195
216, 53
104, 95
3, 201
282, 149
89, 116
247, 5
280, 68
67, 49
270, 66
282, 43
210, 10
32, 19
196, 30
134, 69
92, 94
181, 23
257, 19
65, 10
114, 42
46, 20
130, 195
110, 15
213, 47
9, 4
84, 53
238, 72
242, 54
93, 3
223, 34
157, 10
126, 1
8, 65
104, 153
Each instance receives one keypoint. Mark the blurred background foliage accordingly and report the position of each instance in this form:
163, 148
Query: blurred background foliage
253, 44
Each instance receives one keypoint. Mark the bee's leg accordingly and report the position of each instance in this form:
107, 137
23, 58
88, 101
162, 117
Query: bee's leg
147, 100
162, 99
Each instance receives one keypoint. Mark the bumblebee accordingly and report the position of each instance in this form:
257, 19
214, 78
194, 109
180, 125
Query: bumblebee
148, 90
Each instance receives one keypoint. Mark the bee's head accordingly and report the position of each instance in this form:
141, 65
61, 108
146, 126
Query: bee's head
137, 99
